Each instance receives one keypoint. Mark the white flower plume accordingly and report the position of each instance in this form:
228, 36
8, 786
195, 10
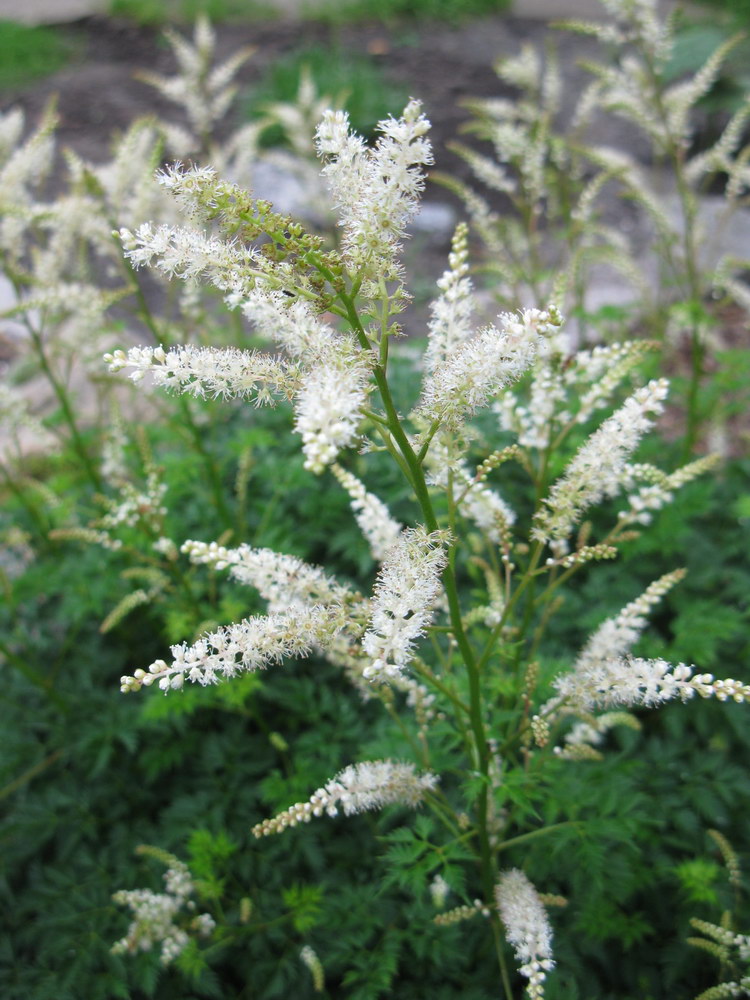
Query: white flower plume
358, 788
526, 927
406, 590
155, 914
616, 636
451, 311
376, 190
373, 517
329, 404
631, 681
210, 371
251, 644
283, 580
599, 467
477, 370
184, 253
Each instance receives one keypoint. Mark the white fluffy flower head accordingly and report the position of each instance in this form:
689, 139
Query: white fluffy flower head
527, 928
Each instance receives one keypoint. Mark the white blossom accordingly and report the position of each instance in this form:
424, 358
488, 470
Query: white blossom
291, 323
210, 371
251, 644
406, 591
205, 92
373, 517
631, 681
526, 927
616, 636
375, 189
231, 267
358, 788
328, 406
599, 467
450, 324
155, 916
283, 580
477, 370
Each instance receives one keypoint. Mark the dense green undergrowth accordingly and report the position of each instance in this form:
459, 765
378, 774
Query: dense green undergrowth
88, 775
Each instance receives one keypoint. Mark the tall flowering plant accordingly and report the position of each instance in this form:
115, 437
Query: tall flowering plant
451, 637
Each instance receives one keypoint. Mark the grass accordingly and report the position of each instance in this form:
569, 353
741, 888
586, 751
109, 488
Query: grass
28, 53
159, 12
344, 11
156, 13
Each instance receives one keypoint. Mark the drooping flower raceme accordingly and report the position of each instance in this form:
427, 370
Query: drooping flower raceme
526, 927
358, 788
406, 590
251, 644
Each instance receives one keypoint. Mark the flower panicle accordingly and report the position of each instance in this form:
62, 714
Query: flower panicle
477, 370
376, 190
249, 645
527, 928
211, 372
406, 590
450, 323
358, 788
632, 681
373, 517
283, 580
599, 467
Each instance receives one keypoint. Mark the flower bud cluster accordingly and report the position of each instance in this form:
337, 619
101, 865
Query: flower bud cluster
584, 736
460, 913
358, 788
313, 963
527, 928
659, 487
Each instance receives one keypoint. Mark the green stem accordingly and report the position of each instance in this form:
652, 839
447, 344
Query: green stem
64, 400
524, 837
419, 484
27, 776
